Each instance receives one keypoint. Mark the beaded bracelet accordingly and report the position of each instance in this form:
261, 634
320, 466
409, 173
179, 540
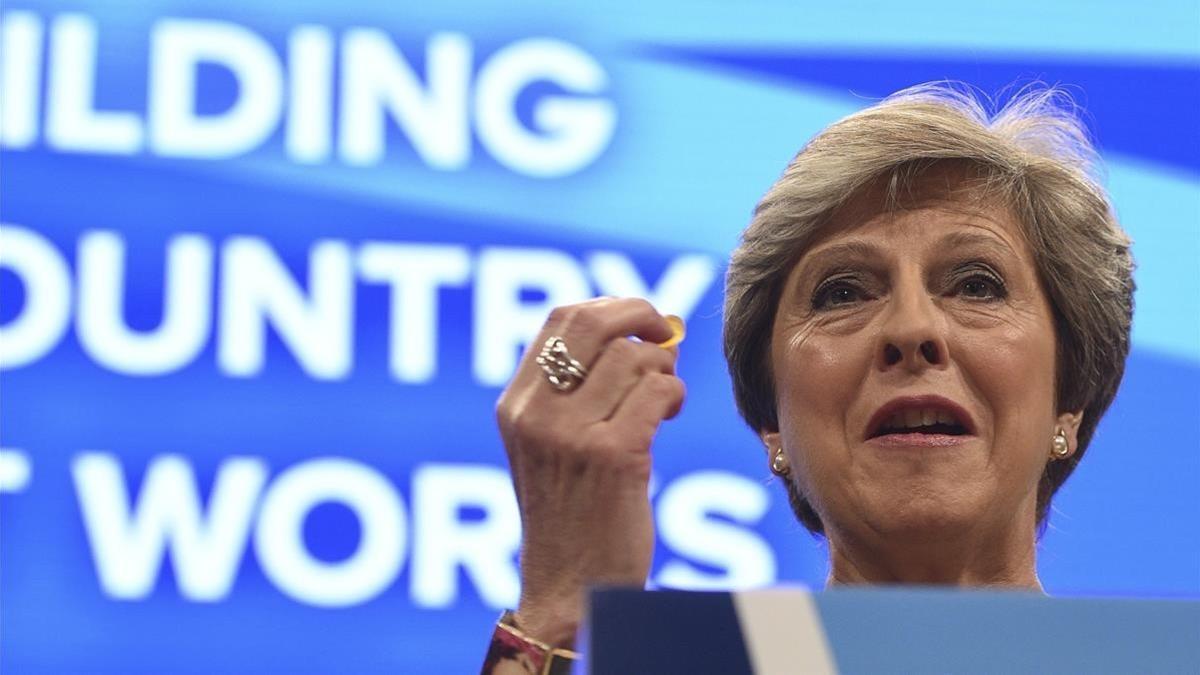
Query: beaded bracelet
510, 643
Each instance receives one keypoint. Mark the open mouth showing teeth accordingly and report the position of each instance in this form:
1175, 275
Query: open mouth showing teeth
921, 421
947, 429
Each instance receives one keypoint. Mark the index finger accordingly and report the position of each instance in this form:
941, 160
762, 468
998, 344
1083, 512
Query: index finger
588, 326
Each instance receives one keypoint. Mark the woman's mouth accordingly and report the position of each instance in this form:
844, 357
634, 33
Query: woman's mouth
922, 421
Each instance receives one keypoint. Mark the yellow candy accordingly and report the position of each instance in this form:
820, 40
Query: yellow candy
678, 331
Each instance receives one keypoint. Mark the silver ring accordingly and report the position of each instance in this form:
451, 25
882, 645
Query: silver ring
564, 372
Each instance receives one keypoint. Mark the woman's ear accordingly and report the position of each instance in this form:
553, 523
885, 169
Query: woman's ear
770, 441
1069, 422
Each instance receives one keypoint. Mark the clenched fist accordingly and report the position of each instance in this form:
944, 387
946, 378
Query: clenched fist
581, 458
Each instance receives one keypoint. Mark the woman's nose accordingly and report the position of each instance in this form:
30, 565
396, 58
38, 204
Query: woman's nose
913, 333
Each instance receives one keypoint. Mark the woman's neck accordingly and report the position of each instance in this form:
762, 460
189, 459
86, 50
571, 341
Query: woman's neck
993, 560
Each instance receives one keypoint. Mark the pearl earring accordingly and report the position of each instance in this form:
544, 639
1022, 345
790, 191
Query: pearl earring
779, 465
1059, 447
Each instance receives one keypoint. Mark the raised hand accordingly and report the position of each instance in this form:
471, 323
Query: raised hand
580, 457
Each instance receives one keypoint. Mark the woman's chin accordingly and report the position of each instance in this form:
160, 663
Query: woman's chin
925, 519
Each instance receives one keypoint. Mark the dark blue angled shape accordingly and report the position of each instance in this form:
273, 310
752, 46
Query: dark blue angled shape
665, 632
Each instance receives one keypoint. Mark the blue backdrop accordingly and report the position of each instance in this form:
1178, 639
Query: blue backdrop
265, 268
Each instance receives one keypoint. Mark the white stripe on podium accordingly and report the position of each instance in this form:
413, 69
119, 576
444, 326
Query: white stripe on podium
783, 632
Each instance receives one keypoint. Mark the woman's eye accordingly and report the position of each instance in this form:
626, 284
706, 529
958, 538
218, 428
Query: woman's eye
981, 287
836, 295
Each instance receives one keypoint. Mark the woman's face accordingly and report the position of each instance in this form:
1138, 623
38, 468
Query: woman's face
914, 360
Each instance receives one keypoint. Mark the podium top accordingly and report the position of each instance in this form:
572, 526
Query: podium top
911, 630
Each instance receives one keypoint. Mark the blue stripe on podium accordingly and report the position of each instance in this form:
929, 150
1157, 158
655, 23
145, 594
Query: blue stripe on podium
926, 630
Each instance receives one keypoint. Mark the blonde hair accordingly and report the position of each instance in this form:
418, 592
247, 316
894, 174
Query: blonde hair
1033, 154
